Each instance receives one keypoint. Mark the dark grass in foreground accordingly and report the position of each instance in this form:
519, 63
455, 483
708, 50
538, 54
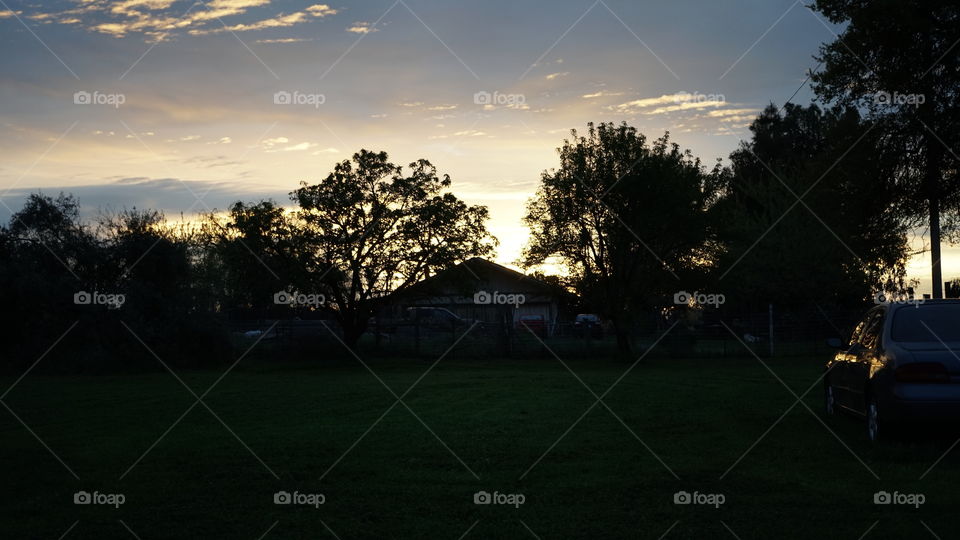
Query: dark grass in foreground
499, 417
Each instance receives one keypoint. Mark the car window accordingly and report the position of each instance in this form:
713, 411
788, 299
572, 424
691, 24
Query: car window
932, 322
861, 326
870, 336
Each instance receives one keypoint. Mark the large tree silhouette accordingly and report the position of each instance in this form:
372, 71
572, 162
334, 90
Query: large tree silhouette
899, 60
370, 230
629, 221
809, 216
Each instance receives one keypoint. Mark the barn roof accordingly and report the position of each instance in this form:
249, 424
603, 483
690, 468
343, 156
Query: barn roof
476, 274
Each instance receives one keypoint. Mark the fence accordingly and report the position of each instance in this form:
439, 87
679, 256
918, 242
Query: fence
710, 335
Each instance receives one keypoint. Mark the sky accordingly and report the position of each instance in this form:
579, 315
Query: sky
188, 106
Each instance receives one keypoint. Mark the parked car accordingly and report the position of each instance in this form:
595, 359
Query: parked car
900, 366
536, 323
586, 320
435, 317
588, 324
422, 318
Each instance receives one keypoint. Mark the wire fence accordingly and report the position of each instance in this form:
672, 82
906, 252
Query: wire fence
705, 335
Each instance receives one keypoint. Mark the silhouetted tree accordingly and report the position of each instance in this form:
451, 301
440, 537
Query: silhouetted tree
898, 60
629, 221
808, 216
48, 255
255, 251
371, 230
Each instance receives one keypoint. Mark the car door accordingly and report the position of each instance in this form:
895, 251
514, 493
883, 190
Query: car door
870, 349
840, 377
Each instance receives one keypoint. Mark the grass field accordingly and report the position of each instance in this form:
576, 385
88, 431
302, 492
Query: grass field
500, 417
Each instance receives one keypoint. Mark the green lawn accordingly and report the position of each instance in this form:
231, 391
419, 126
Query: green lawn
499, 417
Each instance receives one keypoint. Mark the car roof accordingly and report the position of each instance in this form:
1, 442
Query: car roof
893, 306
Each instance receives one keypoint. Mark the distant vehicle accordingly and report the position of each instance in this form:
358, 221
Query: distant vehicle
588, 324
901, 365
435, 317
535, 323
586, 320
422, 318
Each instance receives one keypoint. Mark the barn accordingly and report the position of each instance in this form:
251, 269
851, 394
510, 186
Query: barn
480, 290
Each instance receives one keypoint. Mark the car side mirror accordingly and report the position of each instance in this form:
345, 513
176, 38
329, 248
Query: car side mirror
836, 343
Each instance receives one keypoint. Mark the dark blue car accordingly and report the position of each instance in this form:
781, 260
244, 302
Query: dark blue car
901, 366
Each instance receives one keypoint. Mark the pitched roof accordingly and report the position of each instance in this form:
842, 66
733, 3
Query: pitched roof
472, 275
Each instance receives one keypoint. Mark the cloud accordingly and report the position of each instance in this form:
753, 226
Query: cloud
553, 76
274, 141
686, 106
284, 40
733, 112
158, 20
601, 93
280, 21
280, 144
517, 106
298, 147
362, 28
681, 101
171, 195
321, 10
633, 106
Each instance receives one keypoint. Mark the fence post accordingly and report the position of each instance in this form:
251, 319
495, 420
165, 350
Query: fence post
770, 323
416, 336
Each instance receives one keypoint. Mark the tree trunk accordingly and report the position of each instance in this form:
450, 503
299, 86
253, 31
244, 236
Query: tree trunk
624, 343
935, 248
932, 185
351, 335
